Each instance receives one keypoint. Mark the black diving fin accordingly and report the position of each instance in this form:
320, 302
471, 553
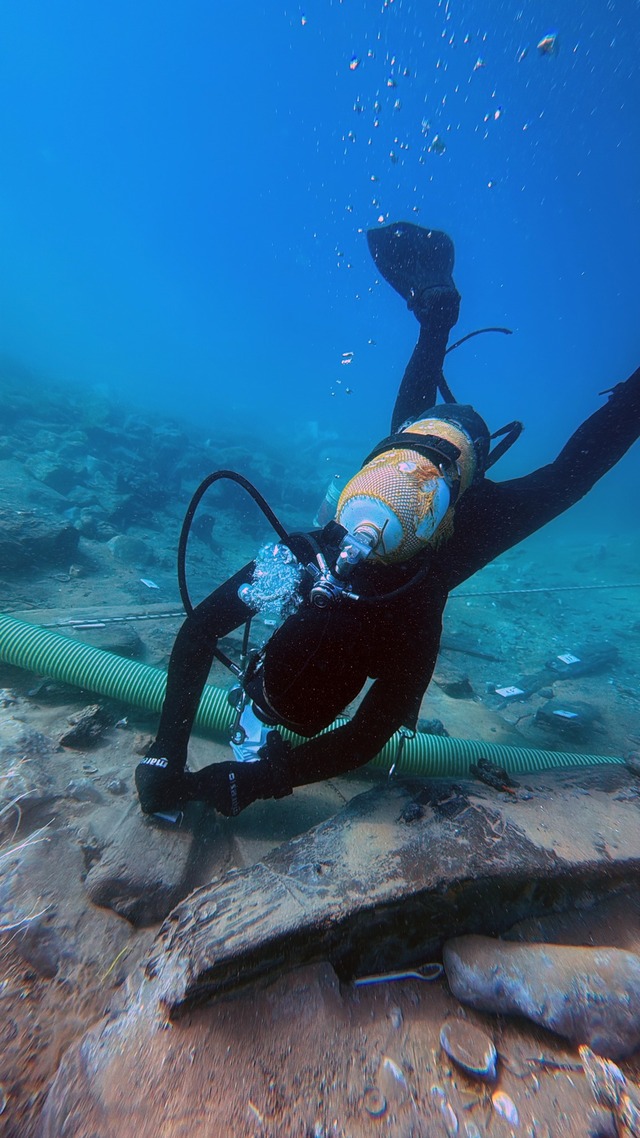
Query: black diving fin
411, 258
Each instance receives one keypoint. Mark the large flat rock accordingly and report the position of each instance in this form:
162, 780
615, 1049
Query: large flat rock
143, 868
400, 869
34, 538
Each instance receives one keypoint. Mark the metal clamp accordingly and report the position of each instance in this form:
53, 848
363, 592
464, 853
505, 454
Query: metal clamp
404, 733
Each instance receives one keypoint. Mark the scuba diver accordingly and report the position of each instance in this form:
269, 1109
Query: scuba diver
367, 591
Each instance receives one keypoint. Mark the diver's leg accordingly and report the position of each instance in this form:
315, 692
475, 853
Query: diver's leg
418, 264
189, 666
160, 776
161, 779
423, 375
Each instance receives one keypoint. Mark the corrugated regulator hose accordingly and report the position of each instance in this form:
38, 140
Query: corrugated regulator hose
139, 685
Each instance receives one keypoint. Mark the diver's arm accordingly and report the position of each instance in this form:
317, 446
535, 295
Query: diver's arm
494, 516
232, 786
388, 705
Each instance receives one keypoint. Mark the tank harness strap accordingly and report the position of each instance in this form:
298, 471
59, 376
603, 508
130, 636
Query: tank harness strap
432, 446
445, 390
511, 432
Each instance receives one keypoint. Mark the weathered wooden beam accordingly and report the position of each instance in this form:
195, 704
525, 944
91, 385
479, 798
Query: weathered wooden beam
400, 869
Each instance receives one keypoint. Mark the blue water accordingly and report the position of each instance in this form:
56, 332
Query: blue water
186, 187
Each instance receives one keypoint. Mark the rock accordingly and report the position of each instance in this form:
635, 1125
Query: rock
585, 660
130, 550
87, 728
144, 868
432, 727
567, 717
203, 527
392, 1084
504, 1105
469, 1047
52, 691
412, 812
25, 777
93, 524
492, 775
83, 790
633, 762
458, 687
31, 539
117, 786
47, 468
613, 1091
588, 995
25, 914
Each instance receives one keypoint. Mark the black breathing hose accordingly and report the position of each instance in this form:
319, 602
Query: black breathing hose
282, 533
478, 332
188, 520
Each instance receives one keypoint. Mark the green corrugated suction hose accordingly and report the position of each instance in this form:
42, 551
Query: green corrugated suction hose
48, 653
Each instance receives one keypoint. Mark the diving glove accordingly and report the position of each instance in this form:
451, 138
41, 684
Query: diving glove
161, 787
231, 786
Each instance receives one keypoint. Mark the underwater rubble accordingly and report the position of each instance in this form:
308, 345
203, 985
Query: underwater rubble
91, 489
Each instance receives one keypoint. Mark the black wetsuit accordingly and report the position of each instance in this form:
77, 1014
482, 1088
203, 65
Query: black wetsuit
319, 659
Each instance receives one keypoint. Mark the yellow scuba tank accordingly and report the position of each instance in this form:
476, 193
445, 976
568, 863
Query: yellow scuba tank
402, 497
